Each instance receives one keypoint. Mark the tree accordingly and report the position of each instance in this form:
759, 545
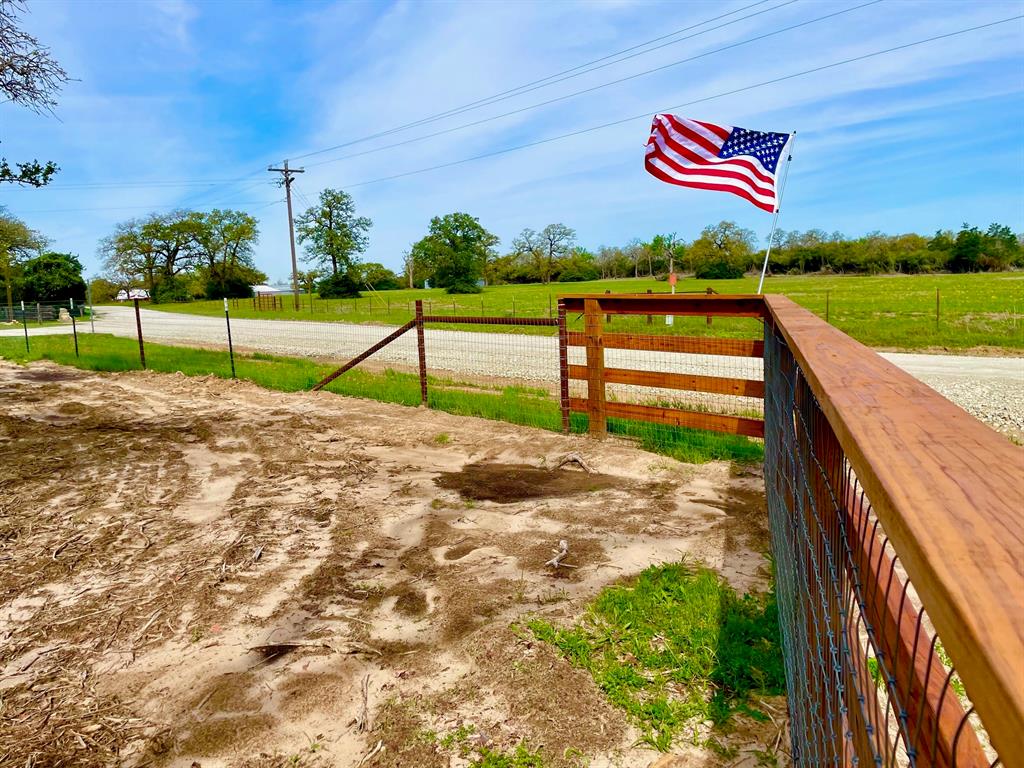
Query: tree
455, 249
17, 243
967, 250
545, 248
332, 233
378, 277
225, 241
308, 279
722, 250
53, 277
31, 78
154, 251
662, 253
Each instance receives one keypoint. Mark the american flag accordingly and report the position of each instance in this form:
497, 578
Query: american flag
692, 153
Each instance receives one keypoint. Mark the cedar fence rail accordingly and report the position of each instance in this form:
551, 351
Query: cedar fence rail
896, 520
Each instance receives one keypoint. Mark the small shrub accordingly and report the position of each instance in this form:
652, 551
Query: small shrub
718, 270
340, 286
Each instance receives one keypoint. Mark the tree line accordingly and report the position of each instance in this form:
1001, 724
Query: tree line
185, 255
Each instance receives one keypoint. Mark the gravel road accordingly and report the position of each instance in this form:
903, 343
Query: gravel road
990, 388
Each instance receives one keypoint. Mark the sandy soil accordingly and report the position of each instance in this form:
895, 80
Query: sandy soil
201, 572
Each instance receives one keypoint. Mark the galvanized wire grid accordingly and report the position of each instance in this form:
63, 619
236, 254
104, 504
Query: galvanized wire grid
868, 679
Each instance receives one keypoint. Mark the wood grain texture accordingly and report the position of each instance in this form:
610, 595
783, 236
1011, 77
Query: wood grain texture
684, 381
713, 422
949, 492
595, 369
695, 345
668, 304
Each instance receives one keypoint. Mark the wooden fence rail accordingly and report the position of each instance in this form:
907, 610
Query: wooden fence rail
598, 375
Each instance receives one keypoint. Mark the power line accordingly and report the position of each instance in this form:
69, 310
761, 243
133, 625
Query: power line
586, 67
558, 77
260, 203
596, 87
688, 103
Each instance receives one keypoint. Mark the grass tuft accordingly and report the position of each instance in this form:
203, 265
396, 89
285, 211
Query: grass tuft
678, 645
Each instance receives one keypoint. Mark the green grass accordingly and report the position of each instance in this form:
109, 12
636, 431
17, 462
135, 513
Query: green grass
676, 646
881, 311
526, 406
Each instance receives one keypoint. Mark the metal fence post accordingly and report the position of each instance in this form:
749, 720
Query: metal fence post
39, 314
422, 349
74, 326
92, 314
563, 365
231, 349
24, 322
138, 328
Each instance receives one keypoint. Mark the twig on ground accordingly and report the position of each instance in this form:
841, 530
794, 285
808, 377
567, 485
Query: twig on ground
560, 554
575, 458
372, 753
363, 723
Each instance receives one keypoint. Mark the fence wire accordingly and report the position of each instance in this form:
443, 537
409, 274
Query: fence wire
868, 680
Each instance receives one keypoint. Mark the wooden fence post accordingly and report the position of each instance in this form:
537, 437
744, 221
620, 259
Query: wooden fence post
563, 366
607, 318
422, 349
709, 291
595, 368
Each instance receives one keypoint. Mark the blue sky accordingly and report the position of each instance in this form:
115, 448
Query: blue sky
180, 103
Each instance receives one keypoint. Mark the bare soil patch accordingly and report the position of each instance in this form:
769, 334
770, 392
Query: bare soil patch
201, 571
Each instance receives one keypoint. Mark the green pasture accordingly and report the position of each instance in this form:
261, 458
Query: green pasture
526, 406
890, 311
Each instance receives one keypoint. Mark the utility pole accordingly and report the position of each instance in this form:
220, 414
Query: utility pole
287, 179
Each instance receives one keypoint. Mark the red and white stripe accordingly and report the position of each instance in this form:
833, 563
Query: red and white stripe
685, 152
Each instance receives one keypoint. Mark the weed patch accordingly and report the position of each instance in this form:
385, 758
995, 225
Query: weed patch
676, 646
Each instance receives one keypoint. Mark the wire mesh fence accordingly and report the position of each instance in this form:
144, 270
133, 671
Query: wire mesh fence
517, 369
869, 681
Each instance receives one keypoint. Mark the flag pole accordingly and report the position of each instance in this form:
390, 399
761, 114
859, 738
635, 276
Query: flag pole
778, 207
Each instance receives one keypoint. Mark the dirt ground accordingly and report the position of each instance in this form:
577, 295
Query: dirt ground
202, 572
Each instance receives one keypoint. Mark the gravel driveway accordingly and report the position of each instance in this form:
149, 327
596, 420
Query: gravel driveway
990, 388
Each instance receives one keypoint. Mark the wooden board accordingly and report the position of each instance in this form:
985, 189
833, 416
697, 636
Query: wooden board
714, 422
669, 304
695, 345
948, 491
683, 381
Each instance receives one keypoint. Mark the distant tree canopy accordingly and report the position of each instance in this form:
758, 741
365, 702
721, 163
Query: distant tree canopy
18, 244
456, 251
184, 255
53, 277
969, 250
331, 233
31, 78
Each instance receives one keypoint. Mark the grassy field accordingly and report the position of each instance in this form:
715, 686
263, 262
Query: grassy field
518, 405
893, 312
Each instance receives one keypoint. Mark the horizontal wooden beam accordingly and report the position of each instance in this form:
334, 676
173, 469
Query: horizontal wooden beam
669, 304
694, 345
477, 320
947, 491
684, 381
713, 422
